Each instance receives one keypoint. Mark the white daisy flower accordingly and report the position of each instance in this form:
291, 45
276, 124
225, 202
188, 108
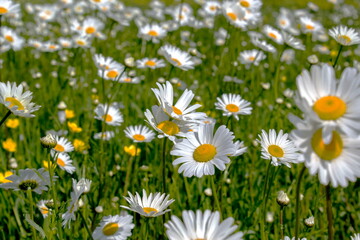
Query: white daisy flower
200, 151
177, 57
212, 8
139, 133
103, 63
233, 105
278, 148
111, 115
65, 42
149, 206
249, 57
63, 145
92, 27
82, 41
293, 42
310, 26
356, 237
273, 34
11, 38
263, 45
114, 228
64, 162
104, 135
233, 12
129, 79
250, 4
336, 162
8, 7
330, 102
201, 225
16, 101
152, 32
240, 149
181, 110
50, 47
44, 208
112, 71
36, 180
344, 35
152, 63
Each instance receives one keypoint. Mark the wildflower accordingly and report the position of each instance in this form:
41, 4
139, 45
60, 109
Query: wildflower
74, 127
149, 206
344, 35
48, 141
177, 57
111, 115
132, 150
200, 151
106, 136
9, 145
16, 101
8, 7
233, 105
152, 63
63, 145
310, 26
263, 45
249, 57
11, 38
79, 145
212, 8
278, 148
293, 42
64, 162
233, 12
201, 225
43, 207
282, 199
239, 149
309, 222
250, 4
139, 133
3, 176
12, 123
35, 180
356, 237
69, 114
152, 32
83, 185
114, 227
273, 34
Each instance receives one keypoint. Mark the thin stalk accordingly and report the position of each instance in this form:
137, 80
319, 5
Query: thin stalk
128, 173
5, 117
171, 70
329, 213
29, 195
282, 222
297, 203
338, 55
216, 197
163, 166
262, 222
86, 226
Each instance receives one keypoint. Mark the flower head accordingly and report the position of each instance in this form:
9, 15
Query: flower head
344, 35
114, 228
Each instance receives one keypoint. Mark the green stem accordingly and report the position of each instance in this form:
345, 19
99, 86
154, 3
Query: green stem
29, 195
86, 226
262, 222
128, 173
329, 213
338, 55
282, 222
5, 117
216, 197
297, 203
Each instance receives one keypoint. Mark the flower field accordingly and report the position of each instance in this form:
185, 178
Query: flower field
180, 120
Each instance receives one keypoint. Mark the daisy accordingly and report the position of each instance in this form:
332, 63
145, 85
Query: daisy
35, 180
233, 105
250, 4
336, 162
44, 208
177, 57
273, 34
200, 151
292, 41
16, 101
310, 26
91, 27
356, 237
233, 12
181, 110
201, 225
112, 72
65, 42
344, 35
212, 8
263, 45
139, 133
251, 57
103, 63
278, 148
63, 145
82, 41
49, 47
149, 206
240, 149
152, 32
114, 228
8, 7
11, 38
129, 79
64, 162
111, 115
330, 102
152, 63
104, 135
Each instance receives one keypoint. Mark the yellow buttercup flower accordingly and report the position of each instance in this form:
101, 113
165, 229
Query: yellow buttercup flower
46, 164
12, 123
69, 114
5, 175
74, 127
80, 145
9, 145
132, 150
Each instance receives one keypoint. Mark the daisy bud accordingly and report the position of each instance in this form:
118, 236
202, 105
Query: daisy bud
282, 199
309, 222
81, 203
99, 209
48, 141
130, 62
208, 192
313, 59
61, 105
269, 217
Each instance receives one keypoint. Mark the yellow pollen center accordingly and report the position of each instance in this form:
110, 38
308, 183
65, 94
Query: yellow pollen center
150, 63
251, 58
327, 151
44, 210
231, 15
245, 4
282, 22
90, 30
59, 148
330, 108
213, 8
232, 108
176, 110
310, 27
139, 137
177, 61
169, 128
276, 151
149, 210
272, 35
3, 10
110, 228
14, 102
60, 162
345, 38
204, 153
153, 33
80, 42
9, 38
107, 118
112, 74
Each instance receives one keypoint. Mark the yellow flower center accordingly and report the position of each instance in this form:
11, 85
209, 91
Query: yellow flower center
310, 27
213, 8
90, 30
110, 228
44, 210
107, 118
169, 128
112, 74
149, 210
245, 4
276, 151
204, 153
3, 10
272, 35
52, 46
80, 42
60, 162
153, 33
327, 151
14, 102
232, 108
59, 148
177, 61
139, 137
251, 58
330, 108
232, 16
9, 38
282, 22
345, 38
150, 63
176, 110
